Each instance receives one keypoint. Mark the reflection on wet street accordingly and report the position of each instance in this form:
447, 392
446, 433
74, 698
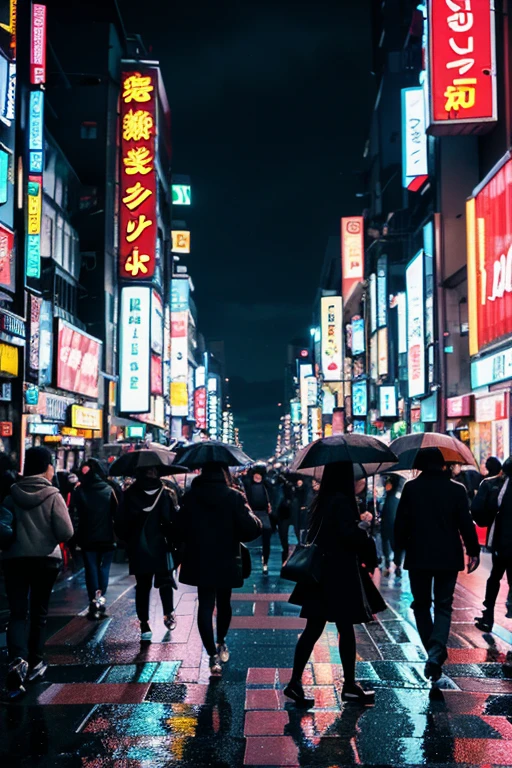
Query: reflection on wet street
108, 701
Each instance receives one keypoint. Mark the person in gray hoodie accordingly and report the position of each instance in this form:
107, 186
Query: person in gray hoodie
31, 563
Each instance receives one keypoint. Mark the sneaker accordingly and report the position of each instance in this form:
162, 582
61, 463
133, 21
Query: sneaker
215, 666
16, 676
94, 611
145, 633
37, 672
265, 570
398, 572
295, 692
354, 694
170, 622
101, 603
433, 671
483, 624
223, 652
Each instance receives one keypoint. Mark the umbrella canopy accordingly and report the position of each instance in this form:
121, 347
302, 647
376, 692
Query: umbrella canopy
212, 451
368, 453
407, 447
162, 460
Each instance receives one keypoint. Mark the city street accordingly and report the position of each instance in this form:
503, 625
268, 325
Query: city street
107, 701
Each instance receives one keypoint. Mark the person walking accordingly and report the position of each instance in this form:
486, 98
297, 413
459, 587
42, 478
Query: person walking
259, 502
492, 507
145, 523
214, 518
284, 501
387, 527
93, 505
31, 565
345, 594
432, 516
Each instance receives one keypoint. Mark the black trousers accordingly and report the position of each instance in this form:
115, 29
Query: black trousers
28, 584
208, 598
434, 632
500, 566
144, 582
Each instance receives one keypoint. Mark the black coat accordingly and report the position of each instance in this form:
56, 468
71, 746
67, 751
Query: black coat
93, 508
432, 516
388, 515
146, 527
488, 512
346, 592
213, 520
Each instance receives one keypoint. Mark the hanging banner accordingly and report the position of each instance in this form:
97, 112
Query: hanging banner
414, 277
352, 253
331, 349
138, 214
135, 349
78, 360
38, 45
414, 139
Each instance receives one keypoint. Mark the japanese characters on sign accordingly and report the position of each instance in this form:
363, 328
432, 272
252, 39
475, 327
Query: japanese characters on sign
181, 194
180, 241
414, 139
38, 45
135, 350
6, 257
35, 131
85, 418
462, 73
138, 220
414, 277
331, 350
200, 408
33, 236
352, 253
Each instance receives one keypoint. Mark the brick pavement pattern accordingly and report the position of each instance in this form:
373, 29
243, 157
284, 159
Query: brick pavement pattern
110, 701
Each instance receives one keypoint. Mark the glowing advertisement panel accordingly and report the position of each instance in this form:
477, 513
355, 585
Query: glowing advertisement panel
414, 278
414, 139
331, 344
135, 349
461, 65
352, 253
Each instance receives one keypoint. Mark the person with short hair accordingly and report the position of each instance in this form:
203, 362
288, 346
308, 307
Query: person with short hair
31, 564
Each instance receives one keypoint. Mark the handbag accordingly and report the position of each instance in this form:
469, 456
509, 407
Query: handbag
304, 566
246, 561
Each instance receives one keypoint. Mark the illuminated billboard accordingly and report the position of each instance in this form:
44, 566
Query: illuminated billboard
38, 44
135, 349
180, 241
359, 398
331, 344
352, 253
414, 139
461, 66
181, 194
138, 212
78, 360
414, 277
388, 402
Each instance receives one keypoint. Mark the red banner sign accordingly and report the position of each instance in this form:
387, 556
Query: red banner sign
38, 45
489, 228
6, 257
352, 253
138, 220
200, 414
78, 361
157, 385
462, 73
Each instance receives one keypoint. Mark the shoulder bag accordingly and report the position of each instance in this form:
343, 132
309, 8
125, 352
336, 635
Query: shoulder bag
304, 566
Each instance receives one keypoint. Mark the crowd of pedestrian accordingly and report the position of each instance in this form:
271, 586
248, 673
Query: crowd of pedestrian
199, 532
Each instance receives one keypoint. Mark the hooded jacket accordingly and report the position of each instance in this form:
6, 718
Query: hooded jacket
94, 503
41, 519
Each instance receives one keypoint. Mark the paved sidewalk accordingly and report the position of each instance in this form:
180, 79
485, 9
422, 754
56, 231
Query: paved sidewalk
108, 701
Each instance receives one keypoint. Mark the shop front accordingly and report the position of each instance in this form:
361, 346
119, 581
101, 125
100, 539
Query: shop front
459, 417
489, 434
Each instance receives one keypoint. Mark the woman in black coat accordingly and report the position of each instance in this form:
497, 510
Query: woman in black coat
145, 524
346, 594
214, 519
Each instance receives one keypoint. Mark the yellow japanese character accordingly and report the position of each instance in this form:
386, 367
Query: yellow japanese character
137, 125
136, 262
136, 195
462, 94
134, 229
137, 88
138, 160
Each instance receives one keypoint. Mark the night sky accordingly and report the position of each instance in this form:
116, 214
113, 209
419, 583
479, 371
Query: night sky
271, 104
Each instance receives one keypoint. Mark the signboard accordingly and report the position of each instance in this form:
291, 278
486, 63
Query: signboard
78, 360
180, 293
9, 363
359, 398
461, 66
491, 369
352, 253
180, 241
137, 432
38, 44
457, 407
373, 302
138, 213
34, 332
489, 247
382, 360
181, 194
7, 271
331, 344
414, 139
157, 383
134, 348
358, 336
388, 402
382, 291
492, 407
157, 324
401, 305
200, 410
85, 418
415, 326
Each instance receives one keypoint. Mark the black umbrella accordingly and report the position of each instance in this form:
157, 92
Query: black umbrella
212, 451
407, 448
371, 455
162, 460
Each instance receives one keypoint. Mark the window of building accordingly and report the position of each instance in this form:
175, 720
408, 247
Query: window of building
89, 130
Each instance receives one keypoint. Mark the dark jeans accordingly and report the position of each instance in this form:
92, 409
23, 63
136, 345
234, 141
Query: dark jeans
97, 570
208, 597
144, 582
388, 551
28, 584
434, 634
500, 566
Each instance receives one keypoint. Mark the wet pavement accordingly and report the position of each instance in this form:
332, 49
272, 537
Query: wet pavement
108, 701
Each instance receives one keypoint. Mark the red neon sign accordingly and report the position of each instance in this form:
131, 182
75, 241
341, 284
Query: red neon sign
462, 74
352, 253
38, 45
138, 220
200, 414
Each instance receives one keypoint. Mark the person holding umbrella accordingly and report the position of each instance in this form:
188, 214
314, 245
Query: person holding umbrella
145, 522
213, 520
432, 516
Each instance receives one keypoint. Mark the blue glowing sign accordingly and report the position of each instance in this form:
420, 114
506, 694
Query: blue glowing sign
33, 256
36, 122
